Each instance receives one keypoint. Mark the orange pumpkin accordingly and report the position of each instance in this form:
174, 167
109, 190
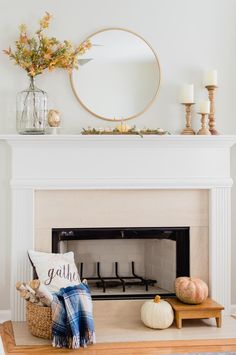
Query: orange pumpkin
191, 290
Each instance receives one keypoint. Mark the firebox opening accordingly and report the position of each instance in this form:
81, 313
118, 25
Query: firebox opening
127, 263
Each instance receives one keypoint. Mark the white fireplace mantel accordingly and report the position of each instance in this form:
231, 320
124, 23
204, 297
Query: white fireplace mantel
73, 161
121, 162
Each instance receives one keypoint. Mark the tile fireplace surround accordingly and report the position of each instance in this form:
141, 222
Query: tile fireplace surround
75, 162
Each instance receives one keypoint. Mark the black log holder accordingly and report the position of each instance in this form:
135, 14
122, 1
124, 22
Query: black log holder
117, 280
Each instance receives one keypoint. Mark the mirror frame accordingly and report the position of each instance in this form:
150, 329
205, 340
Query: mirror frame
149, 103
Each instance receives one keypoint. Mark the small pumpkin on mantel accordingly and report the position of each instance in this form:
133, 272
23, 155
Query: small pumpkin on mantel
157, 313
191, 290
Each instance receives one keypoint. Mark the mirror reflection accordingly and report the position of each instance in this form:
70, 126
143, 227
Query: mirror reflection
119, 77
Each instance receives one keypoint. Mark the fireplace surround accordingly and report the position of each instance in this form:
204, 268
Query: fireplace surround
74, 162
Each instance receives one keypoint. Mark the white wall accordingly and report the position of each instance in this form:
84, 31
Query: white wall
189, 37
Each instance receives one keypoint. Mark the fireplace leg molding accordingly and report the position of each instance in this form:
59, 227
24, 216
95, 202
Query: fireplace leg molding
22, 240
220, 246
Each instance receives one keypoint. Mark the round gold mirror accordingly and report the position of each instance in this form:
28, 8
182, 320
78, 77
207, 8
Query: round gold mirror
119, 77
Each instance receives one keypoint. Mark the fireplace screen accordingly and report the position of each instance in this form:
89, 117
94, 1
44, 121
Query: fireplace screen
127, 263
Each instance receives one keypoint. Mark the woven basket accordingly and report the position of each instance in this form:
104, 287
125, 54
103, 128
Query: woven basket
39, 320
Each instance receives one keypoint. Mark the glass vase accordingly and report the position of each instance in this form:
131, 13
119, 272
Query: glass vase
31, 110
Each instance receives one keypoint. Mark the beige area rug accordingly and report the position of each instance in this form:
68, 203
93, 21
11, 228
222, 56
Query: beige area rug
134, 330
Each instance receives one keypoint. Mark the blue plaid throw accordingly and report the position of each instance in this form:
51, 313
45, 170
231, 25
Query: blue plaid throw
72, 318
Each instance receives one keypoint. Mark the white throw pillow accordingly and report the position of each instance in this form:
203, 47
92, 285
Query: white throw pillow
55, 270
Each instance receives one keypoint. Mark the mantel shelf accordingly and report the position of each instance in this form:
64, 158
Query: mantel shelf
104, 161
163, 140
171, 137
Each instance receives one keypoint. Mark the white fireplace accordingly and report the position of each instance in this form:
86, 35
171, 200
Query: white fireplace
74, 162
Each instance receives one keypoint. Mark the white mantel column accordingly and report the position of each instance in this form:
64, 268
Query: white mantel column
220, 246
22, 224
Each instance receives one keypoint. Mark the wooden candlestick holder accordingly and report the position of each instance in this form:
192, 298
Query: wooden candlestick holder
211, 94
188, 129
204, 131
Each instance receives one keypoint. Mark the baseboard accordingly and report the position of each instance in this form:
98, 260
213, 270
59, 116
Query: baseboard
233, 309
5, 315
1, 347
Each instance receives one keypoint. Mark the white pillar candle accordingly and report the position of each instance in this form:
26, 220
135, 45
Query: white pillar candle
204, 106
211, 77
186, 94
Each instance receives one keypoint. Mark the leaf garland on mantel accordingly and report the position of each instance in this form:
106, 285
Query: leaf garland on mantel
124, 130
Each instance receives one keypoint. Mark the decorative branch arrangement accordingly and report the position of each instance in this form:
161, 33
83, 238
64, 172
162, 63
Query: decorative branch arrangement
39, 52
35, 292
35, 53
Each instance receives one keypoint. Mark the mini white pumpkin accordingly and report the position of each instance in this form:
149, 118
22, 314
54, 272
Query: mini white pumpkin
157, 314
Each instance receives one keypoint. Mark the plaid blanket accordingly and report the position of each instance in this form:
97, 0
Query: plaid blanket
72, 318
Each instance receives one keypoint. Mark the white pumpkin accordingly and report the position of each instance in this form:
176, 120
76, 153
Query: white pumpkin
157, 314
